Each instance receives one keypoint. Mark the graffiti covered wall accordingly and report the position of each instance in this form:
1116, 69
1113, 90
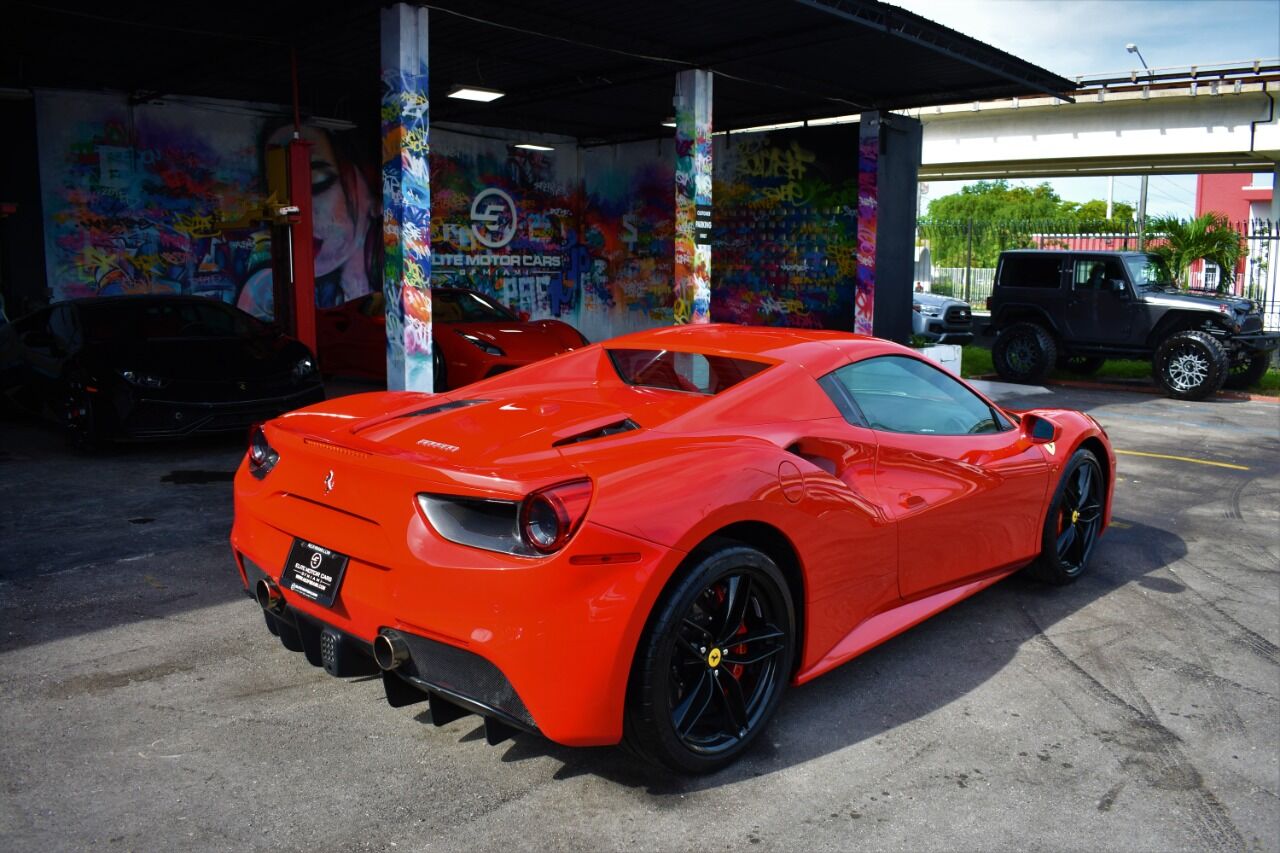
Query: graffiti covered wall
785, 235
148, 198
584, 236
630, 236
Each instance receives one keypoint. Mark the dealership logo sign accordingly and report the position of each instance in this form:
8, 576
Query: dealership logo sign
493, 218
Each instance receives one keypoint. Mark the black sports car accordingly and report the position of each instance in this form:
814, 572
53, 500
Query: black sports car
133, 368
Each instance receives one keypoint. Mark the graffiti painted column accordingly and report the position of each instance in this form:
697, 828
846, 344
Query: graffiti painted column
888, 169
864, 296
406, 198
693, 197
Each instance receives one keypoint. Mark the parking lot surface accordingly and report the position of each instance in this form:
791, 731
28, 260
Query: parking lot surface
146, 707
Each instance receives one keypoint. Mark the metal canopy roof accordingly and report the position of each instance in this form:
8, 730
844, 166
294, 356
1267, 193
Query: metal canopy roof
598, 71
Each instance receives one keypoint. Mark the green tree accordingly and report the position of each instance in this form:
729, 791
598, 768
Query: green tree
1208, 237
1095, 212
987, 217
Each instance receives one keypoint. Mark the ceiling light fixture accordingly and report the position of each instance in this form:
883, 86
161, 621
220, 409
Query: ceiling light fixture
668, 122
475, 93
529, 146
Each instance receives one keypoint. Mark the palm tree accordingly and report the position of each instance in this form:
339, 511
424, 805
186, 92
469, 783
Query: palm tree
1208, 237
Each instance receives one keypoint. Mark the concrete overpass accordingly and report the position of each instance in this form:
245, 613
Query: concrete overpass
1167, 121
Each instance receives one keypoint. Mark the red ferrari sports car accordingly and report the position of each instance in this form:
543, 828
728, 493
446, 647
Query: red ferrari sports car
649, 539
473, 337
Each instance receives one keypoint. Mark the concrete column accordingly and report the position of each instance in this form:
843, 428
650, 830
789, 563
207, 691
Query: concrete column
888, 172
406, 198
693, 197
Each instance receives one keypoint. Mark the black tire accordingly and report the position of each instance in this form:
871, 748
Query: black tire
1024, 352
82, 427
1081, 365
439, 373
697, 714
1190, 365
1248, 371
1075, 518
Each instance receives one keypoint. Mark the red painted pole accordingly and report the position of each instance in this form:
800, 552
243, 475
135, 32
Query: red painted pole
301, 237
301, 231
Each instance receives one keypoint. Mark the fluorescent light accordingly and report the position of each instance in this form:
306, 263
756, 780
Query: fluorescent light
669, 122
475, 93
529, 146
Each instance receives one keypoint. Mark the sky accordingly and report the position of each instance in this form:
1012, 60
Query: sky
1085, 37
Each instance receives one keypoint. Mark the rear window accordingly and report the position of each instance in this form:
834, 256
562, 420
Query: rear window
692, 372
1030, 271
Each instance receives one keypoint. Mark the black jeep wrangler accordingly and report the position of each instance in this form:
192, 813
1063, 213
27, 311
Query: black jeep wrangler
1075, 309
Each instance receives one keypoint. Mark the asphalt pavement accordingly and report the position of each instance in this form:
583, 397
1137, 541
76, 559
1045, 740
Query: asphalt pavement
145, 707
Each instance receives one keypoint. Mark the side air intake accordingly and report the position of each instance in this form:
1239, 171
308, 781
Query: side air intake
615, 428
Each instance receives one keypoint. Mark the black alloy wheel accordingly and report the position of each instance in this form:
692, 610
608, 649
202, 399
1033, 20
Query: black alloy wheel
1024, 352
1247, 370
714, 663
1074, 521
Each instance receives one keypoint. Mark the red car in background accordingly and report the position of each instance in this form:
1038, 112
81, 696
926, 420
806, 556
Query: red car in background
472, 338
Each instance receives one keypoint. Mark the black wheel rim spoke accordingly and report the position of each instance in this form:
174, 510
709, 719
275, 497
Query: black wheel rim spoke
1066, 539
690, 710
735, 707
755, 647
728, 661
737, 594
701, 629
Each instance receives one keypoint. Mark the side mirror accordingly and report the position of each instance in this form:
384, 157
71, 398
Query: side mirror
1119, 287
1039, 430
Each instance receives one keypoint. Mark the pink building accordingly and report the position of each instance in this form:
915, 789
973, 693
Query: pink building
1245, 199
1241, 197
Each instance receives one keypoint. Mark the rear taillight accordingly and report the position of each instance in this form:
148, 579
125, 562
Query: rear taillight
262, 457
549, 518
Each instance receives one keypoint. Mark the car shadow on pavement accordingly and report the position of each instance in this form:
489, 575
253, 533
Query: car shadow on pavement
932, 665
94, 541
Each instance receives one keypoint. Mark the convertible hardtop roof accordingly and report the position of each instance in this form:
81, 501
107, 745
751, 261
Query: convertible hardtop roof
820, 351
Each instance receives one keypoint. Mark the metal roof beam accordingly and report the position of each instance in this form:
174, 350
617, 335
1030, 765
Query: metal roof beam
885, 19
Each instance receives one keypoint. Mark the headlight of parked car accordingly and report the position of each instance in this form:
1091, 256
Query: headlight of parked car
481, 343
143, 380
305, 368
927, 310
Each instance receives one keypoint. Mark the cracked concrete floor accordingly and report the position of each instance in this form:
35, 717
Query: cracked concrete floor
145, 706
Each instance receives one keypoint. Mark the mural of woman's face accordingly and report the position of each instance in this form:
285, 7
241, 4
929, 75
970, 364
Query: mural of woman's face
340, 203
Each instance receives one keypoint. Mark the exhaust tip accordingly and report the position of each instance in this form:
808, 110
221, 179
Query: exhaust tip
390, 650
269, 596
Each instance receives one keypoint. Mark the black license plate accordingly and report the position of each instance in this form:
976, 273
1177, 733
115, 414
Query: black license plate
314, 572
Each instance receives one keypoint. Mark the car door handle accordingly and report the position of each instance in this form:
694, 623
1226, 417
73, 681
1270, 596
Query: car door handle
911, 501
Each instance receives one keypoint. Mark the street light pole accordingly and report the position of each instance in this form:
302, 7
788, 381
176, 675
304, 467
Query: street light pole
1142, 193
1133, 48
